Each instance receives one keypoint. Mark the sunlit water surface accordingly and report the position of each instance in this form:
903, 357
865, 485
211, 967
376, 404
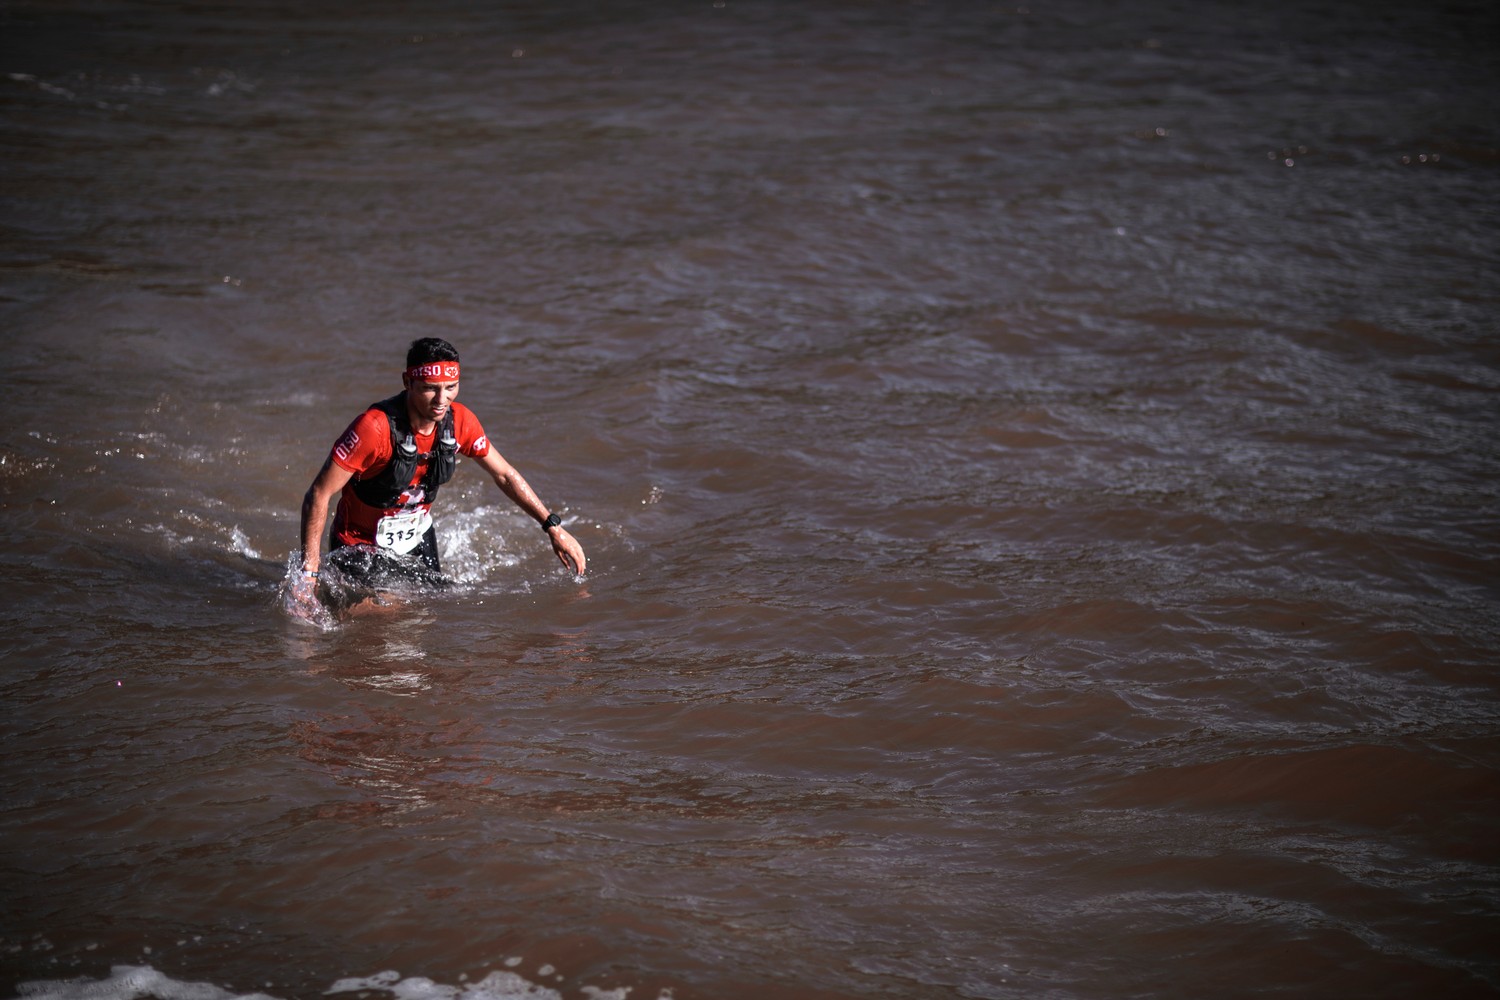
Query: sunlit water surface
1039, 470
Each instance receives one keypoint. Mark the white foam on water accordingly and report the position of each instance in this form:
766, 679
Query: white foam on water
129, 982
472, 544
142, 982
495, 986
239, 543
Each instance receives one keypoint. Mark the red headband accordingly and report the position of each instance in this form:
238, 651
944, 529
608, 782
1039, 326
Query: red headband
435, 371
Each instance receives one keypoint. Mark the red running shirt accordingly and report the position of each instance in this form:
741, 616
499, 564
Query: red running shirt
365, 450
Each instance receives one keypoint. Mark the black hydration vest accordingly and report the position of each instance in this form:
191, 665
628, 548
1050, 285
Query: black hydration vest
383, 490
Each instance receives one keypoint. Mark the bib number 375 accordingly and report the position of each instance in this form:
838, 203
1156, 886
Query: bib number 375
402, 532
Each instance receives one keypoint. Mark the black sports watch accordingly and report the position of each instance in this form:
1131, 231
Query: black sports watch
552, 521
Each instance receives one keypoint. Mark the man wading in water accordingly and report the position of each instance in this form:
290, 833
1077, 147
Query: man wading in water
387, 468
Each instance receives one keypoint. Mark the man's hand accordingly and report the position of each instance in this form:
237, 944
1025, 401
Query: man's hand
568, 550
304, 595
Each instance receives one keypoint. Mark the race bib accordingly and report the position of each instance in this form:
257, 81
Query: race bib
402, 532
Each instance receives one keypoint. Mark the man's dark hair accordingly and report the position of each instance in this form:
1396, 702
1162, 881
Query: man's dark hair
430, 349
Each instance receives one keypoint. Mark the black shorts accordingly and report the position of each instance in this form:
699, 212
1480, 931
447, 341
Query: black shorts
361, 571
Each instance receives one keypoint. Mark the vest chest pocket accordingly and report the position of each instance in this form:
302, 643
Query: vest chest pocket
402, 532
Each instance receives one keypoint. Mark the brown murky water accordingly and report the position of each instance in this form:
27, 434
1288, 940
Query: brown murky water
1039, 469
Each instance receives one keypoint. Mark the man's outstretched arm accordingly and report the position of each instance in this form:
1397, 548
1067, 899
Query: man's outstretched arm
514, 485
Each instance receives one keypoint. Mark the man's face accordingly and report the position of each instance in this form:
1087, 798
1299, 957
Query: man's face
430, 400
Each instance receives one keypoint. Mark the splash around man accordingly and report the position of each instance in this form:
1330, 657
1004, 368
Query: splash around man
387, 469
